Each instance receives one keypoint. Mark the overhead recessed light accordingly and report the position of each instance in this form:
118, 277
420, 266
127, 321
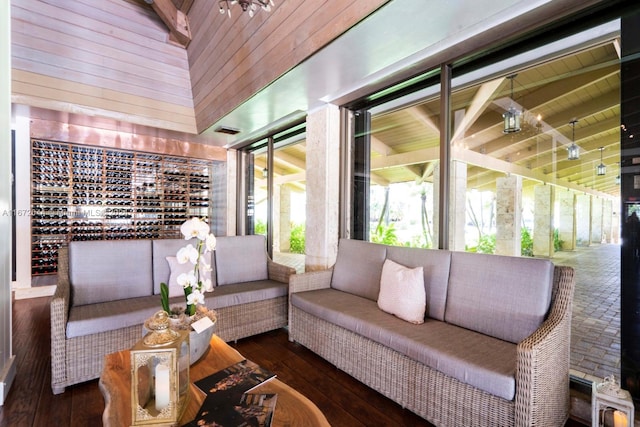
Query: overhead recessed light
227, 130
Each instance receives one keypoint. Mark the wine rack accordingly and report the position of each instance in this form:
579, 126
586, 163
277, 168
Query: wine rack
93, 193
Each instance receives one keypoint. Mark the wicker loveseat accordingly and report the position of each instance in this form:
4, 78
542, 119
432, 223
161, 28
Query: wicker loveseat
493, 349
107, 289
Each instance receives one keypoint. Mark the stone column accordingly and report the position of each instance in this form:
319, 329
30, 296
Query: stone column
596, 220
457, 204
508, 215
323, 175
543, 221
583, 220
567, 218
607, 221
284, 218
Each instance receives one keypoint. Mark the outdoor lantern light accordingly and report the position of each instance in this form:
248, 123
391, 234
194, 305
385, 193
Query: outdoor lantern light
574, 150
618, 177
601, 169
159, 373
512, 115
610, 402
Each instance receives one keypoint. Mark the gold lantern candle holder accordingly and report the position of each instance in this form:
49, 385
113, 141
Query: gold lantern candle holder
611, 405
159, 374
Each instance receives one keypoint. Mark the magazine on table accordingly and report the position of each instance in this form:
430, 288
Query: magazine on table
228, 400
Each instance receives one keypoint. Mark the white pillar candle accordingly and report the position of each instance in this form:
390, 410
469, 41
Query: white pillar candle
620, 419
162, 387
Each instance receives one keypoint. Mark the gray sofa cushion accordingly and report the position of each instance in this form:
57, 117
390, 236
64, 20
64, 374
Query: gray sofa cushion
358, 268
162, 248
505, 297
108, 316
435, 264
244, 293
107, 270
473, 358
241, 259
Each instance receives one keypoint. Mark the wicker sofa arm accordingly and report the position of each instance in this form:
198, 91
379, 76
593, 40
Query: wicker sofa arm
310, 281
542, 367
59, 313
279, 272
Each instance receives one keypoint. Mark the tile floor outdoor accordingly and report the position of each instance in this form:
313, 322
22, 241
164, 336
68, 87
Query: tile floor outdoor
595, 328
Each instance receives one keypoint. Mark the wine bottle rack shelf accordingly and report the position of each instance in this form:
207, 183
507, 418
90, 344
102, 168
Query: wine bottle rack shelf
92, 193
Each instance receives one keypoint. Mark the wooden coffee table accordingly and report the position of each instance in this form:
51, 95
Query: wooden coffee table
292, 408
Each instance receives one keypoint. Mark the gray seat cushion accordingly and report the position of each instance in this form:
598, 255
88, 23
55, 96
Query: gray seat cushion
501, 296
244, 293
241, 259
358, 268
435, 265
162, 248
473, 358
107, 270
109, 316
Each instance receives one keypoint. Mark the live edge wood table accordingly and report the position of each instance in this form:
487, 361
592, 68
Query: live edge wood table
292, 408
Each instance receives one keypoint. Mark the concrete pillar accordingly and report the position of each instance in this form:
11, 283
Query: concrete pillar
508, 215
567, 219
323, 184
596, 220
607, 221
457, 204
284, 219
583, 220
543, 220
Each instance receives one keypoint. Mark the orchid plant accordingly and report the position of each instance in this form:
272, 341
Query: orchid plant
193, 282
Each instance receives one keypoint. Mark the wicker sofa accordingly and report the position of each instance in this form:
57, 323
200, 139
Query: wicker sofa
493, 349
107, 289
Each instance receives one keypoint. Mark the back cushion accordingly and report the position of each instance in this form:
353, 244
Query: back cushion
108, 270
358, 268
241, 259
435, 265
505, 297
162, 248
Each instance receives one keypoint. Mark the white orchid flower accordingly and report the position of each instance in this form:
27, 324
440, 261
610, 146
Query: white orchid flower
187, 280
188, 253
204, 267
194, 227
210, 243
208, 286
195, 297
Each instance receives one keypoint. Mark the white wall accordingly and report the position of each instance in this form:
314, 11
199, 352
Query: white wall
7, 360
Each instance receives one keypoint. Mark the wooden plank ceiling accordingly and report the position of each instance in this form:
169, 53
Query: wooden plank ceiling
583, 86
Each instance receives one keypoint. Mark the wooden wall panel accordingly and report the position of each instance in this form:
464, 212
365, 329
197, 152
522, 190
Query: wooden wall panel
231, 59
108, 58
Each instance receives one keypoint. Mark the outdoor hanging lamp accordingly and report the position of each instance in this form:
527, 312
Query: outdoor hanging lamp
512, 115
618, 179
573, 150
601, 169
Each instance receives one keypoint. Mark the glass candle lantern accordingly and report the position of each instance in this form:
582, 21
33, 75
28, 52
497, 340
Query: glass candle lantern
610, 405
159, 374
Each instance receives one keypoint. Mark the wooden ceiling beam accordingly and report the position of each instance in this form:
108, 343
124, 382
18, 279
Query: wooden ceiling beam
175, 19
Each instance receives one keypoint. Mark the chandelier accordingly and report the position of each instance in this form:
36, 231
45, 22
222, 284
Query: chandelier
246, 5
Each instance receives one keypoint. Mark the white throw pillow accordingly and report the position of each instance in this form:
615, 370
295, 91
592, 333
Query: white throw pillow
402, 292
176, 269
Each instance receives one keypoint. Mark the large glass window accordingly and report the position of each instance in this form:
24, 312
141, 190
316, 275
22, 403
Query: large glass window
533, 170
276, 172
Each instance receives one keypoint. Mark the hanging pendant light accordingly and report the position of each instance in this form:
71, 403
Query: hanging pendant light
618, 179
601, 169
573, 150
512, 115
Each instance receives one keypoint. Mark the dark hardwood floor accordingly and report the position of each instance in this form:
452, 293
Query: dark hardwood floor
344, 401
